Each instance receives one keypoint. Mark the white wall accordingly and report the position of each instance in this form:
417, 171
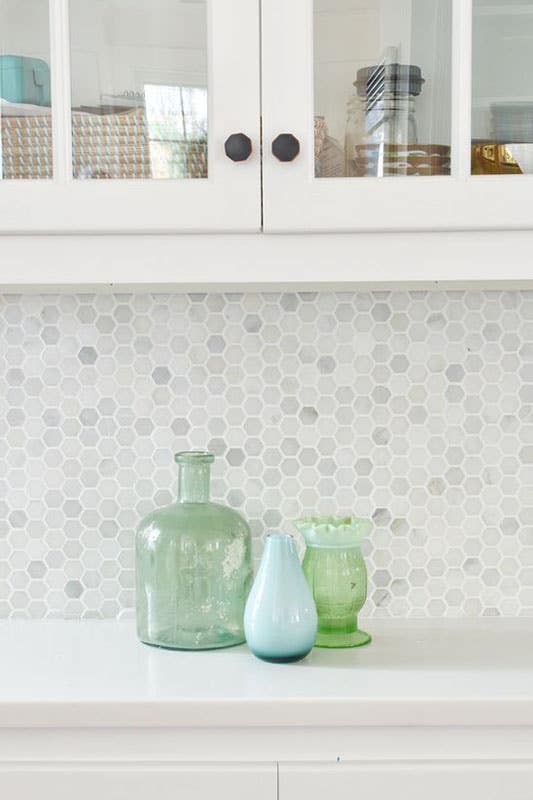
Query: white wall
117, 45
431, 50
347, 36
24, 28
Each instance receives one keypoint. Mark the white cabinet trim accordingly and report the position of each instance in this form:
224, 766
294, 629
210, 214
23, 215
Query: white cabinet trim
256, 262
461, 88
60, 80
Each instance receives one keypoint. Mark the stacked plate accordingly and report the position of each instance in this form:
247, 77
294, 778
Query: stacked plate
512, 122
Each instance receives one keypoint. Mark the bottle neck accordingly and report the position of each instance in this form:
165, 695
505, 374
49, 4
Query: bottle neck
193, 483
279, 545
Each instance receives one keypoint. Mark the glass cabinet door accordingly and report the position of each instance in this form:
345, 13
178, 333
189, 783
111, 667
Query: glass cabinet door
397, 115
142, 114
366, 87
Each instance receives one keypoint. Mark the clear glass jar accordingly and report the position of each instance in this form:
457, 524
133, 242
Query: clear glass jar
194, 567
391, 120
355, 126
381, 121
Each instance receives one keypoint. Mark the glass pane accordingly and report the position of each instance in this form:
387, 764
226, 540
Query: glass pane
26, 134
382, 87
502, 87
139, 88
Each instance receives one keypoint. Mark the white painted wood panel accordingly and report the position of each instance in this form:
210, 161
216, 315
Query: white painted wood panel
493, 259
130, 782
408, 781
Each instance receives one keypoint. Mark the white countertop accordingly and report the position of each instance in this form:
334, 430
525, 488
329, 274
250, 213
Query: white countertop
423, 672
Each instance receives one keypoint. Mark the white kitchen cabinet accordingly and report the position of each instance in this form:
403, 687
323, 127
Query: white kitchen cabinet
139, 782
172, 119
144, 96
408, 781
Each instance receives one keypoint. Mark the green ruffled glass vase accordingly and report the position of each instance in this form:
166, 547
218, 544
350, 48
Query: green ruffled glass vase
336, 572
194, 567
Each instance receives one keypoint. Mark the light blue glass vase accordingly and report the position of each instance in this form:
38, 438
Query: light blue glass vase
280, 619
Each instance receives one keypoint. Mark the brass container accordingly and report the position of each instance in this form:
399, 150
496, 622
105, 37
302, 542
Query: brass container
491, 158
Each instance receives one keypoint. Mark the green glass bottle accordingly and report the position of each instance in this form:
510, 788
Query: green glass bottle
194, 567
336, 572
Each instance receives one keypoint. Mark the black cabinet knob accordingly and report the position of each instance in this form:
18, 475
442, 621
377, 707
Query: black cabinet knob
285, 147
238, 147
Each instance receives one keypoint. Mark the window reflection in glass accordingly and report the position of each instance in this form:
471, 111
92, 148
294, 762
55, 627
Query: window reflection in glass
139, 89
177, 130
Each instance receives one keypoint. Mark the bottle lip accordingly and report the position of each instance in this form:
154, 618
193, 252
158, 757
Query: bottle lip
279, 535
333, 531
194, 457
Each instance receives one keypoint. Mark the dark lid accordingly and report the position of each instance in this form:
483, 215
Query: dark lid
390, 78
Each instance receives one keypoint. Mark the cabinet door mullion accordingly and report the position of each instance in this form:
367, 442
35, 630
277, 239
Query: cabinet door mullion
60, 80
461, 88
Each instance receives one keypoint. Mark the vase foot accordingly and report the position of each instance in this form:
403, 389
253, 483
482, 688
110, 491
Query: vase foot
339, 640
282, 659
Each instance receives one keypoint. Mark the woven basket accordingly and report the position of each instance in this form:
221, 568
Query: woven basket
104, 146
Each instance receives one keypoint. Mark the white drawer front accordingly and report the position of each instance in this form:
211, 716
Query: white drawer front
410, 781
194, 782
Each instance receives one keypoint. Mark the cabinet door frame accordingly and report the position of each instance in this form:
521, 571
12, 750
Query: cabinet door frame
227, 200
296, 201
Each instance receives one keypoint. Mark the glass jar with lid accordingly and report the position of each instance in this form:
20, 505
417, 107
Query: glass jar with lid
381, 124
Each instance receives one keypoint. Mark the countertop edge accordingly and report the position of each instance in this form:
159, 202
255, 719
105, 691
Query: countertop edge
494, 712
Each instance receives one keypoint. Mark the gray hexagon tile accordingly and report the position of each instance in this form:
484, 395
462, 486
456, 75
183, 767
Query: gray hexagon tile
414, 408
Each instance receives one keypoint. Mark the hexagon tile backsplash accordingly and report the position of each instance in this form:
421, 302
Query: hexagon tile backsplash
414, 408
